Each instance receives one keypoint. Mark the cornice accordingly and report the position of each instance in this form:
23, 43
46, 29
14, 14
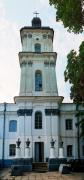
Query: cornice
72, 112
36, 55
34, 99
31, 29
67, 136
8, 113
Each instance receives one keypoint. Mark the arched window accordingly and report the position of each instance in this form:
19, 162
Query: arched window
12, 149
38, 120
13, 126
37, 48
38, 81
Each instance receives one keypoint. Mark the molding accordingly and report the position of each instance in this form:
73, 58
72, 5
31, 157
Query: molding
49, 112
72, 112
23, 112
80, 113
24, 63
74, 136
28, 29
42, 56
49, 63
9, 113
37, 99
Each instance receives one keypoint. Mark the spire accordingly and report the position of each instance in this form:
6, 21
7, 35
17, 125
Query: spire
36, 21
36, 13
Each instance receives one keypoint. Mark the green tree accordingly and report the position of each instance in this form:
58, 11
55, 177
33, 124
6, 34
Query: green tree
74, 73
71, 13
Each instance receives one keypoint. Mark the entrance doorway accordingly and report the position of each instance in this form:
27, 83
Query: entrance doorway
39, 151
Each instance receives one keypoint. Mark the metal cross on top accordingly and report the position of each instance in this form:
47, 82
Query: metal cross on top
36, 13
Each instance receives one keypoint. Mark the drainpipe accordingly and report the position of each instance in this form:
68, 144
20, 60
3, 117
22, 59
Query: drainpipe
3, 145
78, 133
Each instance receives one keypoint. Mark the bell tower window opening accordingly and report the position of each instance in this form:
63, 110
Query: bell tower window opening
38, 120
38, 81
37, 48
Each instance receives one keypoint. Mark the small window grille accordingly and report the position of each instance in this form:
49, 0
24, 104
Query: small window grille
38, 120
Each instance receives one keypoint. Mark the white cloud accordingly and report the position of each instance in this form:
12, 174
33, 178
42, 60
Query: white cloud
9, 47
65, 41
44, 2
2, 9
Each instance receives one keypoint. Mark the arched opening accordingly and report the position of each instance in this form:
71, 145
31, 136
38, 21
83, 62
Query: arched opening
38, 81
37, 48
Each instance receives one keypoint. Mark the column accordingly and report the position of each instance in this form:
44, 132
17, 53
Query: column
52, 150
27, 149
18, 150
61, 150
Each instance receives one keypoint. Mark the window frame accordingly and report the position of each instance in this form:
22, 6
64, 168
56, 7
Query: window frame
37, 48
38, 80
82, 150
68, 124
13, 127
38, 122
69, 150
12, 150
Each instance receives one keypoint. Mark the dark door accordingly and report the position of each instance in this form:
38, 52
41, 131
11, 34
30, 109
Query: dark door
39, 151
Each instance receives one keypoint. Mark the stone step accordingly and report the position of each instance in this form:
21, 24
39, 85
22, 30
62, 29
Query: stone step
40, 166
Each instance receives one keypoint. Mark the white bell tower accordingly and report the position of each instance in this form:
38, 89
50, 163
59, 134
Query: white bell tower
38, 100
37, 61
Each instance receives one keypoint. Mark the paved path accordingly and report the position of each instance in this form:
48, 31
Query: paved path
5, 175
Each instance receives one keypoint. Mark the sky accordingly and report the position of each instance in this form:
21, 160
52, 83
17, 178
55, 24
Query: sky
15, 14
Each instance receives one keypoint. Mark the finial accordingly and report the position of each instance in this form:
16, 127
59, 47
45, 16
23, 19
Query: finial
36, 13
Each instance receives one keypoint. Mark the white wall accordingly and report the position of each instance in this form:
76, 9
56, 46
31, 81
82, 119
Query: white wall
27, 82
28, 43
26, 129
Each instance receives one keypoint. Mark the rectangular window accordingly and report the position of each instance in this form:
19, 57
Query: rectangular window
38, 125
38, 120
68, 124
13, 126
69, 151
38, 82
83, 150
12, 149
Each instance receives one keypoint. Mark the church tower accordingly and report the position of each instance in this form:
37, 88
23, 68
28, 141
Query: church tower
38, 101
37, 61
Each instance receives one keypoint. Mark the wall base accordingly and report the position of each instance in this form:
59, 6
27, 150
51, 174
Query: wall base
53, 164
